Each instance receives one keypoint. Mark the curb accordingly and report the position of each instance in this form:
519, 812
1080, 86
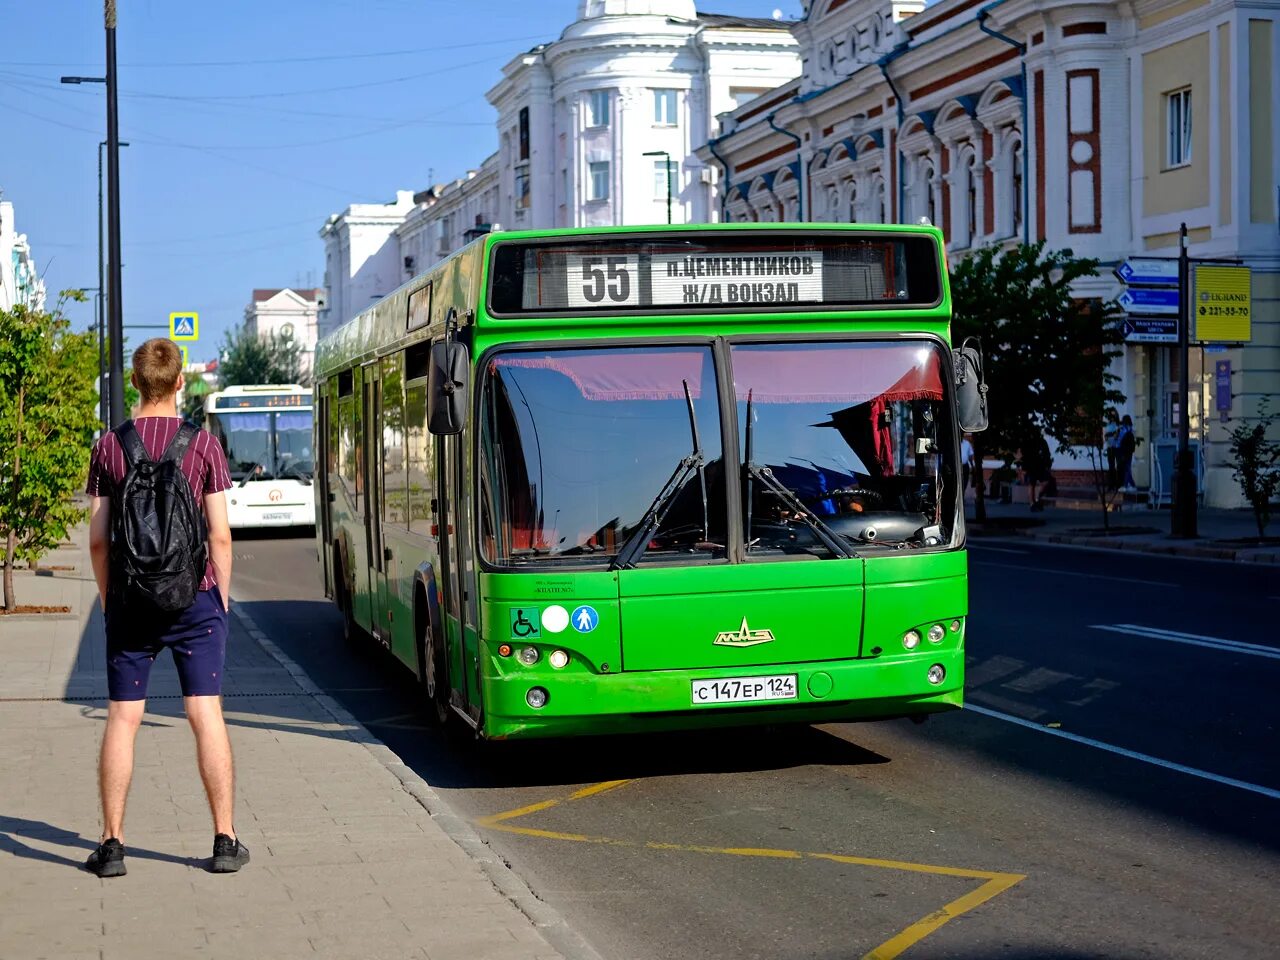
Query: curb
542, 915
1163, 549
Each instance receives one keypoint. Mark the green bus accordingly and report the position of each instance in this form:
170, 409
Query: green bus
621, 479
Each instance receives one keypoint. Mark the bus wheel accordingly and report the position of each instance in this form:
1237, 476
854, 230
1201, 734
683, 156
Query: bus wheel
350, 629
433, 672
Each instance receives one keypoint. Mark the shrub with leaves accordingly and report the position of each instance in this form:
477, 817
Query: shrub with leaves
1257, 464
250, 359
48, 415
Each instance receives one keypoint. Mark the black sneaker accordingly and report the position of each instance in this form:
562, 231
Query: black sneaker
228, 855
107, 860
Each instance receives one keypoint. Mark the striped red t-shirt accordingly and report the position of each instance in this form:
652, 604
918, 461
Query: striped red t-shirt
204, 464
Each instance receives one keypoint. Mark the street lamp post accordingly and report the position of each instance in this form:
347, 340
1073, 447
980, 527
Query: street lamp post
667, 169
104, 407
115, 319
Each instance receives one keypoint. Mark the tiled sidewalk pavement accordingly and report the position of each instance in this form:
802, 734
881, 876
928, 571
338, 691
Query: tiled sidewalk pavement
346, 863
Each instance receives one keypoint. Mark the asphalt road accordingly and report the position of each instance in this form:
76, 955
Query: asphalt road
1115, 792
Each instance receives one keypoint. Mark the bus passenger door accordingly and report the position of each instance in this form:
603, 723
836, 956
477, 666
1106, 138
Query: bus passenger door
323, 484
459, 587
376, 585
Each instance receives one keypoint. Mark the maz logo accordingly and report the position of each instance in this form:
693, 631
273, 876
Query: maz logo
744, 636
275, 496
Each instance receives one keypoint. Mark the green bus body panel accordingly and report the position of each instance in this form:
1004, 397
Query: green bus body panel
672, 617
837, 625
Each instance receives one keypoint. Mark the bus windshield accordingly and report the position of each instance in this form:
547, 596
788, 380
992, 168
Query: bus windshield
582, 448
265, 445
579, 443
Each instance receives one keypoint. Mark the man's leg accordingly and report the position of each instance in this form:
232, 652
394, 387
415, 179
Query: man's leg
213, 752
115, 763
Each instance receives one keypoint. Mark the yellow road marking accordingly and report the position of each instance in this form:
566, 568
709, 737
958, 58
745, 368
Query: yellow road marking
995, 883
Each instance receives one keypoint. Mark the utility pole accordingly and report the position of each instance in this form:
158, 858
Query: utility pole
1183, 519
115, 321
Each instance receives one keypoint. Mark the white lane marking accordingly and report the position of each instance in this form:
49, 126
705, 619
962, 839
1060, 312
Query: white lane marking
1073, 573
1131, 754
985, 547
1195, 640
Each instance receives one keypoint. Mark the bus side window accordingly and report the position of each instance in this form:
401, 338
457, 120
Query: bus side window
419, 459
394, 506
347, 452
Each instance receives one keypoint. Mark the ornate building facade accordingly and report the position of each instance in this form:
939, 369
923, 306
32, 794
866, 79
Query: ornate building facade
1097, 126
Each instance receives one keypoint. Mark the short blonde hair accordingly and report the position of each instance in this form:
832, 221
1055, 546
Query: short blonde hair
157, 365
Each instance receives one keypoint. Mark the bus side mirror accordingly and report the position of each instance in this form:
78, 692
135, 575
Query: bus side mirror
447, 388
971, 388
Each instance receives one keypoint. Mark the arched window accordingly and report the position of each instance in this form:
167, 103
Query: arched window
972, 224
853, 201
928, 184
878, 208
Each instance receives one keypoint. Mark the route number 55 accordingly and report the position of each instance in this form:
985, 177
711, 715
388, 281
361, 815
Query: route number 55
606, 276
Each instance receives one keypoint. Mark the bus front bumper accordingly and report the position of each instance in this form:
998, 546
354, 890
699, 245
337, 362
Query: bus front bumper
583, 703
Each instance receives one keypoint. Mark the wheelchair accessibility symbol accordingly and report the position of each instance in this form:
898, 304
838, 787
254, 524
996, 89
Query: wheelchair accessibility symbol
525, 624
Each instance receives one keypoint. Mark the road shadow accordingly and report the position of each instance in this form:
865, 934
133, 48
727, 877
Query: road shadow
15, 830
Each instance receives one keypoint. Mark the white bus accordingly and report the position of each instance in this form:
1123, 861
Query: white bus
265, 432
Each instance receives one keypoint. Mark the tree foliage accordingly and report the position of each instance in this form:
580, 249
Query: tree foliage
1047, 351
1256, 463
248, 358
48, 414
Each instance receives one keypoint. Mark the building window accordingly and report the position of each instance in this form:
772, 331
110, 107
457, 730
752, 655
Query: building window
598, 108
971, 200
930, 205
743, 95
664, 108
599, 176
522, 188
853, 202
1178, 118
664, 179
524, 133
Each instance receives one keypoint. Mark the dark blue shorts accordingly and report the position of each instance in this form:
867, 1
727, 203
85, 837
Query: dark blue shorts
197, 636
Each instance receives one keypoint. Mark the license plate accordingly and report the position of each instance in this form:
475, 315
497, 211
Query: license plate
745, 689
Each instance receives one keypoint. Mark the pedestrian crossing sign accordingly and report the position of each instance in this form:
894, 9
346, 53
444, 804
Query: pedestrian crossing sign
184, 326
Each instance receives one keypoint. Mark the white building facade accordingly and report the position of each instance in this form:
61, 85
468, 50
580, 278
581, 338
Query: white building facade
1094, 126
288, 314
576, 118
20, 281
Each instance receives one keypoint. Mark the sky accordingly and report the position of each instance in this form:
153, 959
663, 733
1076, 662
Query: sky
249, 123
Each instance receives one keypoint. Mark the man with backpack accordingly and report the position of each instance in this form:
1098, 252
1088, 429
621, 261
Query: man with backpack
161, 550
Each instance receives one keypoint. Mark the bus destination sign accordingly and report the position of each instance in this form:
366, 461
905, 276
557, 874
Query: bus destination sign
714, 272
258, 401
677, 279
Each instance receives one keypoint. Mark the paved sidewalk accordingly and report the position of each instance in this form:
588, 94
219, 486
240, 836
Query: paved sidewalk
346, 862
1219, 530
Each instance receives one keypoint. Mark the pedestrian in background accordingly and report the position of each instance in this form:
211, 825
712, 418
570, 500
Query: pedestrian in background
1110, 440
1126, 444
966, 462
156, 483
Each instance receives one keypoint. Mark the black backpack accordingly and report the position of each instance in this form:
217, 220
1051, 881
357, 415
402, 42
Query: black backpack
159, 542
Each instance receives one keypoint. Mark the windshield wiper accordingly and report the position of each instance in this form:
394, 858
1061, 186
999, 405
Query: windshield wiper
830, 539
651, 522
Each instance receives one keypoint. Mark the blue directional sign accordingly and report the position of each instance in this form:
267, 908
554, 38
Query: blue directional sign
1154, 301
1148, 272
1151, 329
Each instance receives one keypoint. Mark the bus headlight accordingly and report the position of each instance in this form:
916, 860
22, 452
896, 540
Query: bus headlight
937, 673
558, 659
911, 639
528, 656
955, 626
536, 698
936, 633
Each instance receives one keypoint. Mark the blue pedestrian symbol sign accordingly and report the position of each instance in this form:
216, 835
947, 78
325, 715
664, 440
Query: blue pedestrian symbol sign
584, 619
184, 326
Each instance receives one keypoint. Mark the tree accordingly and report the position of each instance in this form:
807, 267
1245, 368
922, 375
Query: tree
48, 414
1257, 464
1047, 352
268, 358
